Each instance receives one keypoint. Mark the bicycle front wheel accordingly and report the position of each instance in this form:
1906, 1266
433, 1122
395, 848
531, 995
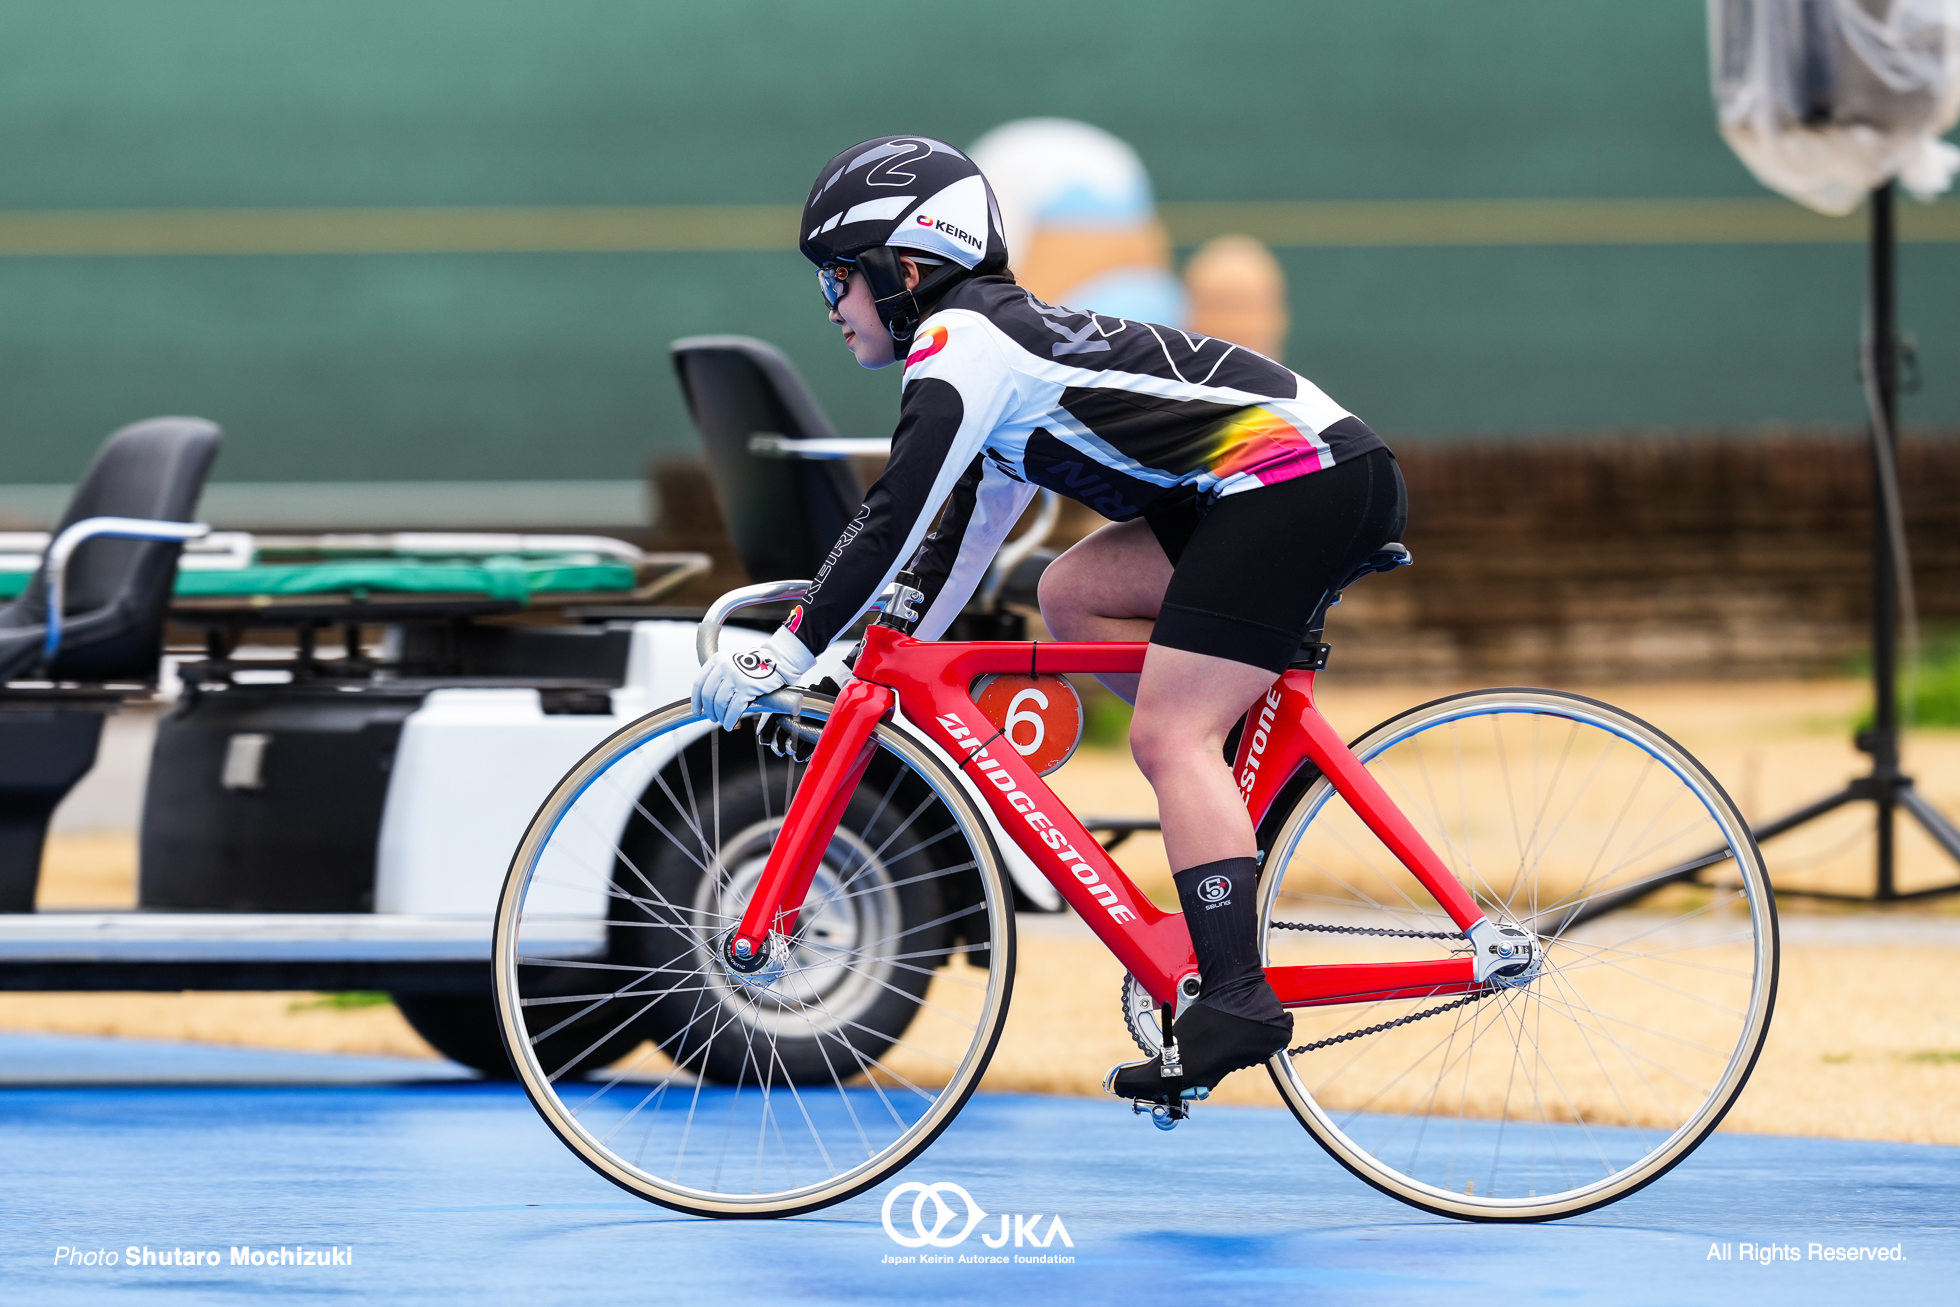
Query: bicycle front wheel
724, 1094
1574, 1083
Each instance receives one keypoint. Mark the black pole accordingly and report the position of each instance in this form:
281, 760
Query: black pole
1883, 360
1887, 787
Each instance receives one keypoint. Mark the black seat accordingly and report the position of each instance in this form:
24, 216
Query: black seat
118, 590
1390, 556
1394, 554
117, 599
784, 512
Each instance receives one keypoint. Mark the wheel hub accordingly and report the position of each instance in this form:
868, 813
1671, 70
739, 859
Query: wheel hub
1506, 954
761, 970
819, 972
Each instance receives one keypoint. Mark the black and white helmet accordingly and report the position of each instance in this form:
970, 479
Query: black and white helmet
904, 193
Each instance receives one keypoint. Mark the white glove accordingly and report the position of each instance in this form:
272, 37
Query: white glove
729, 682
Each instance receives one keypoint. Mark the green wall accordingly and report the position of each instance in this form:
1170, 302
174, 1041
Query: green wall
468, 366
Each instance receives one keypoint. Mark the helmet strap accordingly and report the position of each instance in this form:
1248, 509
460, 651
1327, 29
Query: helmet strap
885, 275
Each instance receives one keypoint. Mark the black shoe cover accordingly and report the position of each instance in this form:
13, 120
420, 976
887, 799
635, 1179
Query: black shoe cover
1211, 1045
1221, 910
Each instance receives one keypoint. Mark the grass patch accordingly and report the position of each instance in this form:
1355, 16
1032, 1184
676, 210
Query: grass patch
344, 1000
1836, 1059
1107, 724
1935, 1056
1935, 690
1679, 898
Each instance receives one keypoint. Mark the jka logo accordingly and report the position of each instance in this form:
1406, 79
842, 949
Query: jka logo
945, 1227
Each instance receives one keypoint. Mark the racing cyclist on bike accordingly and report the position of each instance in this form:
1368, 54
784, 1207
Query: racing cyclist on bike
1239, 495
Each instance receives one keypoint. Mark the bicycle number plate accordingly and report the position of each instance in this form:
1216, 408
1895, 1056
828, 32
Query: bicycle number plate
1041, 716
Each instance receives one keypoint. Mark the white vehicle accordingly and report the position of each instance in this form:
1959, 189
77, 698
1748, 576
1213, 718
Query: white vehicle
342, 819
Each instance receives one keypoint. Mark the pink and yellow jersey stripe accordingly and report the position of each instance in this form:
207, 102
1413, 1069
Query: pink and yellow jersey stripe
1259, 443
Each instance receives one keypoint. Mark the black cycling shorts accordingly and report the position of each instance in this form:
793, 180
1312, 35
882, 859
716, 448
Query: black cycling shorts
1252, 569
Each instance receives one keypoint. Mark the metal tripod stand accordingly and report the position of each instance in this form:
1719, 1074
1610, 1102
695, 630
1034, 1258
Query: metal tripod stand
1885, 786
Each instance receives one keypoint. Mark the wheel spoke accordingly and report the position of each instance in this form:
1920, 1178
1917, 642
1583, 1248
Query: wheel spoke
711, 1091
1628, 1038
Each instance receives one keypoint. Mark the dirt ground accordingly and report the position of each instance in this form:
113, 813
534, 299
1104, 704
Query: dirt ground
1865, 1043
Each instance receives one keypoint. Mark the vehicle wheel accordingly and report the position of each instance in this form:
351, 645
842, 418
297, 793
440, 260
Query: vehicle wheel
461, 1027
464, 1028
1598, 1070
768, 1095
853, 996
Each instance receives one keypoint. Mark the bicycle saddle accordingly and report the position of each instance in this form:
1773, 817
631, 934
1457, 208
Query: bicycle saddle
1390, 556
1313, 654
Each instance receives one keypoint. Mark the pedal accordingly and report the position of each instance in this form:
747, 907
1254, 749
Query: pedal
1166, 1114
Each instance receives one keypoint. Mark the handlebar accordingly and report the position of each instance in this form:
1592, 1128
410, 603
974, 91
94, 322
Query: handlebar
768, 444
707, 636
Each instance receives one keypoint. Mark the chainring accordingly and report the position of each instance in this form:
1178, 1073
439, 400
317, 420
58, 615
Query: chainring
1140, 1016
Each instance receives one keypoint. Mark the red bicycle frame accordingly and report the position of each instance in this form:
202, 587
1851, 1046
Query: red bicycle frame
929, 681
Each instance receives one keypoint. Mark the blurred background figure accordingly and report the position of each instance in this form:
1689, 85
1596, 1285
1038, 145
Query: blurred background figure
1081, 222
1082, 228
1237, 292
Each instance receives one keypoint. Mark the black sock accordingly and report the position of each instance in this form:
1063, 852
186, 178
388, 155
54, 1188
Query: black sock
1221, 910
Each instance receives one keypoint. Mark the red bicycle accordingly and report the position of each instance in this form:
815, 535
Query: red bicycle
1528, 941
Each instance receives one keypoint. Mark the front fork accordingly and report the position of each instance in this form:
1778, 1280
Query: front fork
843, 752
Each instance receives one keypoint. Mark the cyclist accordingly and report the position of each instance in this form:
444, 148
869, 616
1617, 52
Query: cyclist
1239, 494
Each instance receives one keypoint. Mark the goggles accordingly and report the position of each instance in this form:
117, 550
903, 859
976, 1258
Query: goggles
834, 280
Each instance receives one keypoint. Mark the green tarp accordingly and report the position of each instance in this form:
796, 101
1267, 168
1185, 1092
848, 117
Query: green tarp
511, 579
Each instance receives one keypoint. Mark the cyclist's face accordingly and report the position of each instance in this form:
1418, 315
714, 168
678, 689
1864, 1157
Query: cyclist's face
864, 334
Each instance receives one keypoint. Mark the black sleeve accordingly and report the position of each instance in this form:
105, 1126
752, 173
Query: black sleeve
897, 510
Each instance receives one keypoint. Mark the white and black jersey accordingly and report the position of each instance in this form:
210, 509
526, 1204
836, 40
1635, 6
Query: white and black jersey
1004, 394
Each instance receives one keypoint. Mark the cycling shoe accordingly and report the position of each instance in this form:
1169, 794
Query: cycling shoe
1211, 1045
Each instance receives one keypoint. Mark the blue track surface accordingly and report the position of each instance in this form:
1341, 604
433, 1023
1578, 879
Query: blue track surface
453, 1191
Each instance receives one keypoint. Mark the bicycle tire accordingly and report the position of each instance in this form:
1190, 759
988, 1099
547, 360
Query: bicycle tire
878, 1109
1647, 1048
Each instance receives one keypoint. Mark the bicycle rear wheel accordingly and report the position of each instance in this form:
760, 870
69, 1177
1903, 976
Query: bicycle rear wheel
1561, 1090
752, 1095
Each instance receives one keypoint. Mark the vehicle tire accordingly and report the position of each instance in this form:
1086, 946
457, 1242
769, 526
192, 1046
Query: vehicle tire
1619, 1050
464, 1028
461, 1027
856, 1009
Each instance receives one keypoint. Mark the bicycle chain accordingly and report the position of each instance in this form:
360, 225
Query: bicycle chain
1368, 930
1392, 934
1136, 1035
1390, 1025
